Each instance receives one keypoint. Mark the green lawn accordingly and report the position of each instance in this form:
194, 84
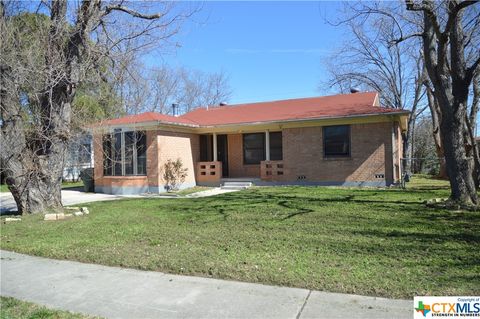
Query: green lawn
364, 241
192, 190
4, 187
11, 308
66, 185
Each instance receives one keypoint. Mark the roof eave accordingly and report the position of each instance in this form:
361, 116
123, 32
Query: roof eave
144, 124
176, 125
399, 113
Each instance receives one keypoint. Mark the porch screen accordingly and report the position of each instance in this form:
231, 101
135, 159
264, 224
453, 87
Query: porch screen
206, 145
336, 141
253, 148
276, 146
125, 153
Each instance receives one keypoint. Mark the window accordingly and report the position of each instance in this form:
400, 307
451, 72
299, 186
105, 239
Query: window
336, 141
125, 153
276, 146
141, 139
129, 152
253, 148
107, 155
117, 153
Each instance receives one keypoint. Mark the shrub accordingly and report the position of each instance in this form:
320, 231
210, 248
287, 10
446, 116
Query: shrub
174, 174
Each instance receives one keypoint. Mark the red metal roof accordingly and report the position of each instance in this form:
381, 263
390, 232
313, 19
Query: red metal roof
342, 105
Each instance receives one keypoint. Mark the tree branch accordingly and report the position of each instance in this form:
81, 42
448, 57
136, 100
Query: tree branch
403, 38
133, 13
426, 7
471, 70
454, 12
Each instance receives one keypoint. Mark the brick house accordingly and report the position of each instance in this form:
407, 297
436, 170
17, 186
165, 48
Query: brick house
346, 139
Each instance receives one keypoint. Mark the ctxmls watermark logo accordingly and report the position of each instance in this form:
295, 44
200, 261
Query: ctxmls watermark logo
446, 307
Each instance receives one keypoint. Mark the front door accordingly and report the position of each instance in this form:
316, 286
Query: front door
222, 153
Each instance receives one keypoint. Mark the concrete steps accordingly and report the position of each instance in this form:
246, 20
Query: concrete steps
235, 185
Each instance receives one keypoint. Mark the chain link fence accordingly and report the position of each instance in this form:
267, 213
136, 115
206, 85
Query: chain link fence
419, 165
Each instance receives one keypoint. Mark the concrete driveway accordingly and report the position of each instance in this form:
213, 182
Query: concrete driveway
69, 197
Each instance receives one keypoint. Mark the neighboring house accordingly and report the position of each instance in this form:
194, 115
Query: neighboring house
79, 156
344, 139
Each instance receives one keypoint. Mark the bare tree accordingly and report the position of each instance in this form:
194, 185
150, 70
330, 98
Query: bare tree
188, 88
40, 77
165, 85
370, 58
143, 89
425, 153
447, 44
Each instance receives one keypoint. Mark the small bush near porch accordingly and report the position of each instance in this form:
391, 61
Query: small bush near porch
364, 241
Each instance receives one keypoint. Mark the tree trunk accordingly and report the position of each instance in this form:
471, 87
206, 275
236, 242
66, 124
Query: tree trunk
442, 171
459, 166
472, 151
436, 117
33, 179
44, 197
408, 142
471, 122
444, 54
33, 155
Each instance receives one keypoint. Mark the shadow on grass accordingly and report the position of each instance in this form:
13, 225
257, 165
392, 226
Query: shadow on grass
408, 236
10, 213
289, 201
74, 188
426, 188
300, 210
293, 202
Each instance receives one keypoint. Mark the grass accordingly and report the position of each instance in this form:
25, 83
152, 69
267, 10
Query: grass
192, 190
426, 182
381, 242
65, 185
11, 308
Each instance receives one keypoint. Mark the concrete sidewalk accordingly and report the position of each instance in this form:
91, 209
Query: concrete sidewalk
69, 197
73, 197
126, 293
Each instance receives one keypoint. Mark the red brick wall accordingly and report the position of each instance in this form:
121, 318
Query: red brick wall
161, 146
97, 157
371, 146
371, 153
152, 159
172, 145
236, 168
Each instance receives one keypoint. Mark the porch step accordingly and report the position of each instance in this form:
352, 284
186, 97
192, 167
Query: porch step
240, 179
236, 185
